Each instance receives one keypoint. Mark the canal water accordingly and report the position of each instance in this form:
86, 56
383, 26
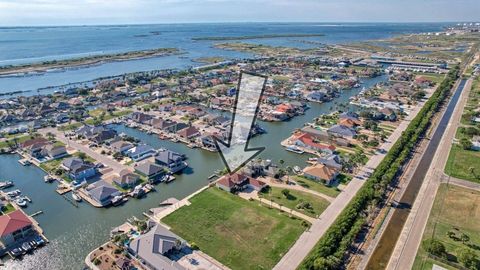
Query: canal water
74, 232
381, 256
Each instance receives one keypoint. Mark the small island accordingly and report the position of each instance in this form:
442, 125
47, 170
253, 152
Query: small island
85, 61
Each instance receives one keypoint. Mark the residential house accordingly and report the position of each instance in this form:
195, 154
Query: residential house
342, 131
189, 133
15, 227
321, 172
78, 169
126, 179
237, 182
121, 147
53, 151
173, 161
332, 161
150, 170
102, 192
140, 152
152, 247
140, 117
307, 141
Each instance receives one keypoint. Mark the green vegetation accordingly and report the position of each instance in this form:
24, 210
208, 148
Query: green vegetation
99, 116
316, 186
70, 126
258, 36
329, 251
15, 141
463, 164
452, 234
300, 201
240, 234
7, 209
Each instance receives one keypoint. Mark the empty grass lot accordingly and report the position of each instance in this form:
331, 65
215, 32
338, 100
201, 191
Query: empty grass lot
461, 162
316, 186
240, 234
455, 209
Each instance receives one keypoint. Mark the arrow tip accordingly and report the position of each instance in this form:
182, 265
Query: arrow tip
236, 156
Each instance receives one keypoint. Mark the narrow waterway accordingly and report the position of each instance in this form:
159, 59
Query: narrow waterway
74, 232
382, 253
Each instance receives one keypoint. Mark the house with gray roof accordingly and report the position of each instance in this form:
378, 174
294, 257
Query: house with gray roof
102, 192
140, 152
341, 131
173, 161
150, 170
152, 247
78, 169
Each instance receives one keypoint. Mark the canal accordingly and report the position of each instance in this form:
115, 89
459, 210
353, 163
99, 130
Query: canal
383, 251
74, 232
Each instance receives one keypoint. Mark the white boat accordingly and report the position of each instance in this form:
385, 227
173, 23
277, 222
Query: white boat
21, 202
6, 184
48, 179
76, 197
296, 169
295, 149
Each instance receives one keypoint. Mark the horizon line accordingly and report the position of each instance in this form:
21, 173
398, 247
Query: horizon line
236, 22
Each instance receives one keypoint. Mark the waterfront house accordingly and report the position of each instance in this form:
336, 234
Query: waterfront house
166, 125
341, 131
189, 133
78, 169
332, 161
150, 170
98, 134
173, 161
321, 173
15, 227
54, 151
305, 140
315, 133
152, 247
140, 117
260, 167
126, 179
121, 147
102, 192
217, 120
140, 152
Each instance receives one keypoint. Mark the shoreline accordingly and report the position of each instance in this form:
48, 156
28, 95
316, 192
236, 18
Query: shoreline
60, 65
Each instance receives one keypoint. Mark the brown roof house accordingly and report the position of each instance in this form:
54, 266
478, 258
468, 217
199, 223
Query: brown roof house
321, 173
14, 227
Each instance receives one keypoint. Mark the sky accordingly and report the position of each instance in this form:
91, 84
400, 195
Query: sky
85, 12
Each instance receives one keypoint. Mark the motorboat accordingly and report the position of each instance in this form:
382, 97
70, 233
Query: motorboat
6, 184
76, 197
21, 202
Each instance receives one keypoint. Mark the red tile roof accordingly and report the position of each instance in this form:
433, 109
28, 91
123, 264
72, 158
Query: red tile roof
13, 221
308, 140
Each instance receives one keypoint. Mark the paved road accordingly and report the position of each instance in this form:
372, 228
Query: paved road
409, 240
308, 239
107, 161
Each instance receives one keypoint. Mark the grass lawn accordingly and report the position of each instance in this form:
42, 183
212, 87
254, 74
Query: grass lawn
18, 139
460, 161
455, 209
70, 126
318, 187
108, 116
241, 234
295, 197
7, 209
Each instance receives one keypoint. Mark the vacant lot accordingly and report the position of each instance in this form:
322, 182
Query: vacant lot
239, 233
463, 164
316, 186
300, 201
455, 210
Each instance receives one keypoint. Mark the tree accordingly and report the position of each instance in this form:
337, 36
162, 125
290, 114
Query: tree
82, 156
467, 257
434, 247
465, 143
286, 193
465, 238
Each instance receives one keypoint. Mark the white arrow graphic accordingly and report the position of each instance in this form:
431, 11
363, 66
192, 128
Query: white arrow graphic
235, 152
